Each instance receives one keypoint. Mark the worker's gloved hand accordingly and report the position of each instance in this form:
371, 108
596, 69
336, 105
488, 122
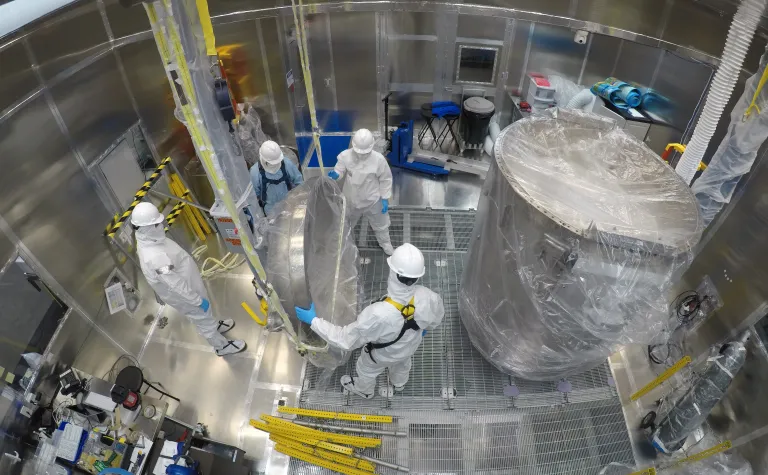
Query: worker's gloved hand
384, 206
333, 174
305, 315
423, 332
205, 305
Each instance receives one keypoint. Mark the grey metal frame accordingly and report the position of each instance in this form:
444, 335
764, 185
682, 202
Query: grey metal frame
457, 66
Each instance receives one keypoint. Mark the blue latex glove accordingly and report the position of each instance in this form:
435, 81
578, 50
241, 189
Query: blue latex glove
423, 332
305, 315
205, 305
384, 206
333, 174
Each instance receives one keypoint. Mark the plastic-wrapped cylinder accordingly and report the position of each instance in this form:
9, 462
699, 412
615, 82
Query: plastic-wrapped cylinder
579, 232
312, 258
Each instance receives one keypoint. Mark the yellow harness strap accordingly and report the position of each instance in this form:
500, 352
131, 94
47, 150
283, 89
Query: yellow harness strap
406, 311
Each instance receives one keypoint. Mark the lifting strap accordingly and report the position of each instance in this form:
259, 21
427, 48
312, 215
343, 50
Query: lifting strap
407, 312
265, 181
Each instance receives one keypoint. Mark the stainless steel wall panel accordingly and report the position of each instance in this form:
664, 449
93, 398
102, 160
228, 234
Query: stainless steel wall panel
150, 88
517, 54
553, 7
642, 17
17, 79
277, 72
412, 61
321, 66
411, 23
52, 206
95, 106
126, 21
353, 36
554, 51
601, 60
683, 82
637, 63
481, 27
75, 33
7, 249
702, 28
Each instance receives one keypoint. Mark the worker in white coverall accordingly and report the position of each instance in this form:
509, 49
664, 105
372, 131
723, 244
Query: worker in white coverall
390, 330
173, 275
368, 186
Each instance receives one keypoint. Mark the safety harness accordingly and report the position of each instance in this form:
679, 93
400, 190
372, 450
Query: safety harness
407, 311
265, 181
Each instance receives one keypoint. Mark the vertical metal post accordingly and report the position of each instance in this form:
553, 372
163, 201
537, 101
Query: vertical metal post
503, 71
382, 67
446, 24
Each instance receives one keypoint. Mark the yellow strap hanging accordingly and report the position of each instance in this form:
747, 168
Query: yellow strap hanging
406, 310
205, 22
753, 104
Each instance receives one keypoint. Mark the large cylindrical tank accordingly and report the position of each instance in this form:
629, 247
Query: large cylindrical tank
579, 232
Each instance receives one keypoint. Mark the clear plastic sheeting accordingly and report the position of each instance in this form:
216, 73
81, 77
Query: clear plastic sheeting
312, 258
718, 464
690, 411
738, 150
249, 133
579, 233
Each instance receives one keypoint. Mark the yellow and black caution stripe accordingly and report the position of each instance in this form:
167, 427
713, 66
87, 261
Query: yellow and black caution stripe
117, 222
175, 212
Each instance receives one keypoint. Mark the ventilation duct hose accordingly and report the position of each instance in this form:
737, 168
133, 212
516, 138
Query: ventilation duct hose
582, 101
740, 36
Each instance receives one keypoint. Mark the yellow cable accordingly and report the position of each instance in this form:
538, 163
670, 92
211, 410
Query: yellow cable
196, 212
178, 190
753, 104
253, 315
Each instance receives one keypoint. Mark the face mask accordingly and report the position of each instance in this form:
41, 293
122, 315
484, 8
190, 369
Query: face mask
363, 156
154, 233
269, 168
397, 290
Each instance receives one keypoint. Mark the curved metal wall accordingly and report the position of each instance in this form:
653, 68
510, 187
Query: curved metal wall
73, 82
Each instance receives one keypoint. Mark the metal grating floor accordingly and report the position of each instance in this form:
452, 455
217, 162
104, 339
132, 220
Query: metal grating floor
495, 423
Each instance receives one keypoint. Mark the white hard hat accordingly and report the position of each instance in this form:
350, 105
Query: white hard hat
146, 214
270, 153
362, 141
407, 261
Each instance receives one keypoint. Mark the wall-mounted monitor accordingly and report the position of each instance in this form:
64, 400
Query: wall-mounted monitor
476, 64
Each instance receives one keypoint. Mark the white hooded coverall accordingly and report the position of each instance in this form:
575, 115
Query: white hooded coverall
381, 322
173, 274
369, 180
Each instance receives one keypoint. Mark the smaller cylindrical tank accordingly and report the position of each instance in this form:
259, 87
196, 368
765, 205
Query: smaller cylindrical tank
579, 231
477, 118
